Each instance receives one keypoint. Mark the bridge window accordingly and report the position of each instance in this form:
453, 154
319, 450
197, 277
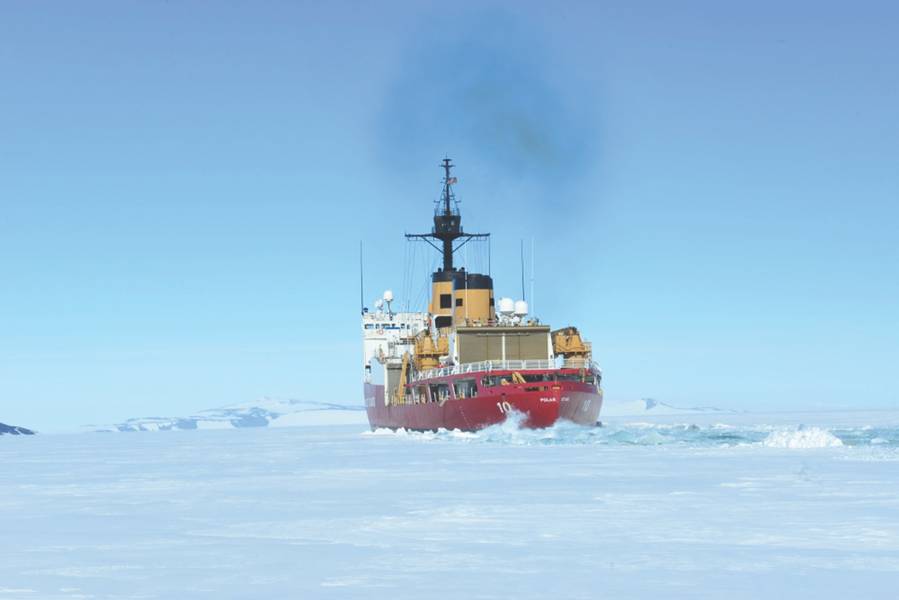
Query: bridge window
446, 301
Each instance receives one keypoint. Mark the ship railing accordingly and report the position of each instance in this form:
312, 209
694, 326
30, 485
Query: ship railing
486, 366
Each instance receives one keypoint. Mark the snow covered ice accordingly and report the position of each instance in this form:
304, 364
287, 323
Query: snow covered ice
721, 506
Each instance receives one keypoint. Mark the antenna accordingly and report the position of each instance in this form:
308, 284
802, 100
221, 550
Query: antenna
361, 282
447, 222
533, 304
489, 257
448, 181
466, 285
522, 270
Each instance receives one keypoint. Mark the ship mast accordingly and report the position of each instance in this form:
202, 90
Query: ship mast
447, 223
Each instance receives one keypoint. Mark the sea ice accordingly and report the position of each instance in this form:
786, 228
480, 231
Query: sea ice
676, 510
802, 437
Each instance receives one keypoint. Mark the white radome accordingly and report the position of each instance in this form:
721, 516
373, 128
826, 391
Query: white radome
388, 296
506, 306
521, 308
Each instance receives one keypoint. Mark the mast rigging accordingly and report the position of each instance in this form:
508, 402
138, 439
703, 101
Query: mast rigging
447, 223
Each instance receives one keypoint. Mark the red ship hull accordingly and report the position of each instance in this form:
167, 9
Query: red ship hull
576, 402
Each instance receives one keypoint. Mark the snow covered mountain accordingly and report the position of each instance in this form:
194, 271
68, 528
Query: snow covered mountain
267, 412
652, 407
13, 430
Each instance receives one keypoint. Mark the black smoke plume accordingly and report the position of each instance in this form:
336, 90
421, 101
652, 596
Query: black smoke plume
484, 88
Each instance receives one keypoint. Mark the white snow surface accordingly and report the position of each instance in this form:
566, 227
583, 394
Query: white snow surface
743, 506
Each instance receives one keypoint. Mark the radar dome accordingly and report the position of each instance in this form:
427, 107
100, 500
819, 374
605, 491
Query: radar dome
521, 308
388, 296
506, 306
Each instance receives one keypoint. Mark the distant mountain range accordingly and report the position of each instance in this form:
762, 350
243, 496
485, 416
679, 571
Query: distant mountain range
650, 406
267, 412
13, 430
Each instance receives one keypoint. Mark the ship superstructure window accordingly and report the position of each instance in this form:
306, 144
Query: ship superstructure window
538, 377
440, 392
444, 321
494, 380
466, 388
458, 301
489, 381
585, 378
446, 300
420, 394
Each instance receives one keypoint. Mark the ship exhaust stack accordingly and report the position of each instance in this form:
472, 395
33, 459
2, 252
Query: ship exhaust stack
460, 298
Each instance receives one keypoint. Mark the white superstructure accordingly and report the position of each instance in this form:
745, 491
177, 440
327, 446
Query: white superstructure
387, 335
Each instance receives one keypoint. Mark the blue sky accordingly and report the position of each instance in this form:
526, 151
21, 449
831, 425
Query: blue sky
711, 189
